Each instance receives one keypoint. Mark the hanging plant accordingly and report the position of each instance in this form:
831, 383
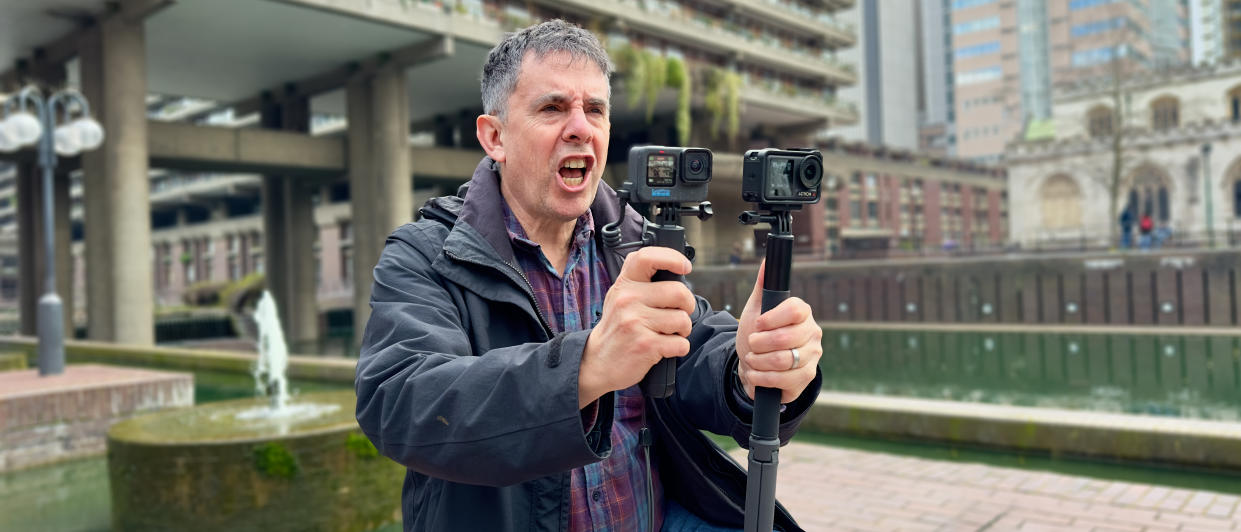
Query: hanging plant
713, 99
634, 62
656, 77
679, 79
732, 102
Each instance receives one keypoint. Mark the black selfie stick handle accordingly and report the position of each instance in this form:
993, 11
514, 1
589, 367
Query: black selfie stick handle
760, 492
660, 382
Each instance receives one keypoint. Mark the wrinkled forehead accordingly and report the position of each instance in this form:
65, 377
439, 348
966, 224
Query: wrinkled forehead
550, 66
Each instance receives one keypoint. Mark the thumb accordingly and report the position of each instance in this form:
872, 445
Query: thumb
756, 295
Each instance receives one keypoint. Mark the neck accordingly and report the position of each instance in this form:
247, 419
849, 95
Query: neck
552, 236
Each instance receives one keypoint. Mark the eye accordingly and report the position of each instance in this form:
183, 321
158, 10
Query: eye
597, 110
550, 107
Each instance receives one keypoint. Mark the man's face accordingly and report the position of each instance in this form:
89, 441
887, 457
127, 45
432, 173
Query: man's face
554, 138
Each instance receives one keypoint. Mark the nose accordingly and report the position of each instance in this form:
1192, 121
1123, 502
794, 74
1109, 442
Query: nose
577, 130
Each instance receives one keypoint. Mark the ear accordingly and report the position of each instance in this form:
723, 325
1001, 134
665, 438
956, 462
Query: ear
488, 128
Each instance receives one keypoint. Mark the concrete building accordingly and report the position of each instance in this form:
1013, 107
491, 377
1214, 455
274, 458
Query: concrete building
1007, 56
936, 97
889, 203
1181, 125
326, 121
886, 56
1215, 26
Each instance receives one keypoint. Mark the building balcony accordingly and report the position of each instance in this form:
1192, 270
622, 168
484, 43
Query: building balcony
203, 190
699, 31
805, 103
821, 25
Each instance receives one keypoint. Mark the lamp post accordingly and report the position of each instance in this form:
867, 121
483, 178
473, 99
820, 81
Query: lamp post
30, 118
1206, 192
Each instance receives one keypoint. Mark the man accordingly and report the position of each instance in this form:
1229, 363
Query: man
501, 360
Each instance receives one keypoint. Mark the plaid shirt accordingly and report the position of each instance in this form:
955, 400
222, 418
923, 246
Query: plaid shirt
609, 495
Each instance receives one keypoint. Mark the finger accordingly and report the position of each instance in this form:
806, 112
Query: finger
666, 321
669, 295
800, 336
791, 311
774, 361
642, 264
756, 295
671, 346
790, 383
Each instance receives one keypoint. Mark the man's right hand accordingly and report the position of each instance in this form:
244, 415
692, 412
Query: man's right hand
642, 323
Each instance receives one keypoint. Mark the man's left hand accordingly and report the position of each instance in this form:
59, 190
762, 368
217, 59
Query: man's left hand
765, 345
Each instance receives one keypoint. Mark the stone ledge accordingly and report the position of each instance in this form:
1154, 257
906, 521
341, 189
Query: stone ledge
48, 419
12, 361
1131, 437
315, 368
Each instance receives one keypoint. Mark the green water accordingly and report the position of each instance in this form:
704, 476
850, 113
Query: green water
1165, 374
73, 496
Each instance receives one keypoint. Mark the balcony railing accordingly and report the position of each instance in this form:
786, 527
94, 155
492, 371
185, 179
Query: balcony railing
675, 22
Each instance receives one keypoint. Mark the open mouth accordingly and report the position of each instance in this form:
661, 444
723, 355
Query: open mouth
573, 171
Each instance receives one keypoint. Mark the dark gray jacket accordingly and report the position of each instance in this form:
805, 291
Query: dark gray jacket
461, 381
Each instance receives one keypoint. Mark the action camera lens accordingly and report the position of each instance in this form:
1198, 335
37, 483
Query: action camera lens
811, 173
695, 165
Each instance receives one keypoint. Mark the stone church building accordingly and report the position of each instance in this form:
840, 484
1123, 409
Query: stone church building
1175, 127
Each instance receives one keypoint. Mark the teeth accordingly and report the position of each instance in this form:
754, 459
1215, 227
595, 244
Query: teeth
575, 163
573, 181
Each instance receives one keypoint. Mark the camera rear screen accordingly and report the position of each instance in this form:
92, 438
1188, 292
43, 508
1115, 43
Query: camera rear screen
661, 170
779, 177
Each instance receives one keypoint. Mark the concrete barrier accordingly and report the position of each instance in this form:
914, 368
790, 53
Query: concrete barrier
1212, 444
77, 351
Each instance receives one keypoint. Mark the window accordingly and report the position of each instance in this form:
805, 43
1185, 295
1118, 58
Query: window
1074, 5
976, 25
1094, 56
962, 4
1164, 113
977, 50
1098, 26
1150, 195
1234, 103
1099, 121
981, 75
1236, 199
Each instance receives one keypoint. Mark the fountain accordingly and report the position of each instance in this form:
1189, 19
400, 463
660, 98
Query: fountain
268, 463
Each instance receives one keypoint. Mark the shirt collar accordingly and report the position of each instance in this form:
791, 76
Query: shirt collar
583, 229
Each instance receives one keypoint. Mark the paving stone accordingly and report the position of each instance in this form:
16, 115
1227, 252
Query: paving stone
832, 489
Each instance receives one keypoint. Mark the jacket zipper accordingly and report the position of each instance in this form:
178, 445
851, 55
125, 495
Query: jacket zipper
529, 289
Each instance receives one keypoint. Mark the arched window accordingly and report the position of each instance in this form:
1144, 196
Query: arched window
1234, 103
1165, 113
1062, 203
1099, 121
1149, 195
1236, 199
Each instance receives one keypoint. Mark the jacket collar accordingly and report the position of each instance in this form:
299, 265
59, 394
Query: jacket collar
480, 235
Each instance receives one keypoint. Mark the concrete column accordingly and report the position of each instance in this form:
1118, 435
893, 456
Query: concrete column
380, 175
118, 226
289, 234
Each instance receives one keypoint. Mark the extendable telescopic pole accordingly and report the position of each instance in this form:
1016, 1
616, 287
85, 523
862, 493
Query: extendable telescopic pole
660, 381
760, 493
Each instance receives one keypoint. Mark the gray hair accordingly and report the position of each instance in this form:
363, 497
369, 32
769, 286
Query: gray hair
504, 61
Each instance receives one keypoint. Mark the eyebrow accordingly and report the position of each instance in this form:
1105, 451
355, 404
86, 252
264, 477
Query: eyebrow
560, 98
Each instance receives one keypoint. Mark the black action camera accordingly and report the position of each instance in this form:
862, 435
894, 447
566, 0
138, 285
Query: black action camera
665, 174
782, 177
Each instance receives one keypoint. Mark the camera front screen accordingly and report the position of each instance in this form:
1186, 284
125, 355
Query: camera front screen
661, 170
780, 177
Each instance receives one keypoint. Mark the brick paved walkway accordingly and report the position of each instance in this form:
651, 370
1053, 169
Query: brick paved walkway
828, 488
